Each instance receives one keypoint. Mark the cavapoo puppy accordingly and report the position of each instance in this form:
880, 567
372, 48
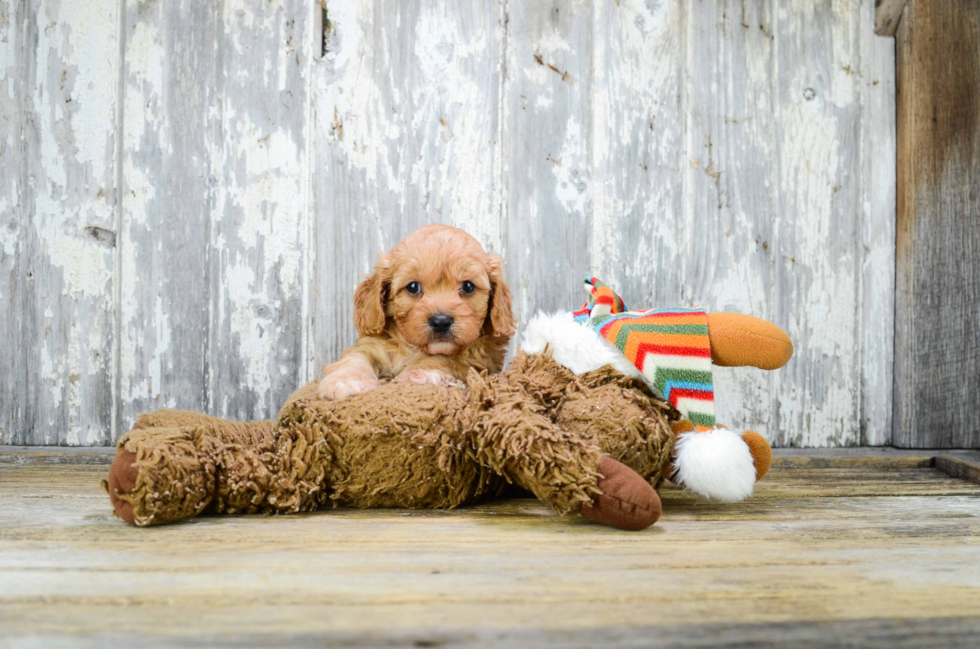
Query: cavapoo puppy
434, 307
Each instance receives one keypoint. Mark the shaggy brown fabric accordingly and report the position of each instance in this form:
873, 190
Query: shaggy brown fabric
623, 418
401, 446
514, 437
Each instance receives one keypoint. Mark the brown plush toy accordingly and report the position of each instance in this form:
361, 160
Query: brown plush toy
582, 435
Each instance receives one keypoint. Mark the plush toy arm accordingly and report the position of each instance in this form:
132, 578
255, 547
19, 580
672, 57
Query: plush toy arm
738, 340
175, 464
512, 435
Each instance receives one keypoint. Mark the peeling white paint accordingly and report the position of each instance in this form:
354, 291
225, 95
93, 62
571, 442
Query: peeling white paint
683, 155
571, 169
61, 137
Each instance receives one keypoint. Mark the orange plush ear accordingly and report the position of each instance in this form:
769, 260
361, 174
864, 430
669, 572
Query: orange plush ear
370, 298
500, 318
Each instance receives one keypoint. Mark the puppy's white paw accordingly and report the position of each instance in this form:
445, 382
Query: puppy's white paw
420, 376
345, 385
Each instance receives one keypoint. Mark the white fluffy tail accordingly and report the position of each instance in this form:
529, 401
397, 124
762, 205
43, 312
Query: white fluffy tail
715, 464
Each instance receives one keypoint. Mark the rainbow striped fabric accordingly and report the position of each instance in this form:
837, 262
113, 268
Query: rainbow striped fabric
670, 347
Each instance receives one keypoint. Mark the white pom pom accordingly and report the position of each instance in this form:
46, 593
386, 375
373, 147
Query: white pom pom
715, 464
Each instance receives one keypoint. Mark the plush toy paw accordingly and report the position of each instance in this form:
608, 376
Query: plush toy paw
420, 376
627, 501
759, 448
761, 452
346, 384
122, 478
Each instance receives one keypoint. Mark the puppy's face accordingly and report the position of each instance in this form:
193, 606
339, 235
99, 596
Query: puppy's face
439, 303
439, 290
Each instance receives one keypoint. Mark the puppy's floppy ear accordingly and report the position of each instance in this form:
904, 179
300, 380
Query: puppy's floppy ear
500, 318
370, 298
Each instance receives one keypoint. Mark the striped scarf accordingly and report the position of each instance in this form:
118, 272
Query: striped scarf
670, 348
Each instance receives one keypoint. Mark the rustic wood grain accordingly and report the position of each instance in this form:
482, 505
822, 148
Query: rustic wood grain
888, 13
877, 251
961, 468
937, 332
729, 155
102, 455
886, 633
407, 133
58, 218
213, 307
639, 150
818, 551
260, 246
170, 75
16, 408
547, 127
729, 175
816, 235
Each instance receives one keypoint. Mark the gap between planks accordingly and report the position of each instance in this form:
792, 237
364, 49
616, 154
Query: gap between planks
963, 464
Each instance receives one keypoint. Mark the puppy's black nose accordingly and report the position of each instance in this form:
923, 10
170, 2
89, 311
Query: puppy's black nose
440, 322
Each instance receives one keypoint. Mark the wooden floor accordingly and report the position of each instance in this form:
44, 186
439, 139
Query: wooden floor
878, 552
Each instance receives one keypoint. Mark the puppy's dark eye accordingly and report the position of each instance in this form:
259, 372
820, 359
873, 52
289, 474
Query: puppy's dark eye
468, 287
413, 288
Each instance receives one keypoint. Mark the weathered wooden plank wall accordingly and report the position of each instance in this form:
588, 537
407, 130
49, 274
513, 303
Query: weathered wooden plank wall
59, 75
254, 157
215, 223
937, 328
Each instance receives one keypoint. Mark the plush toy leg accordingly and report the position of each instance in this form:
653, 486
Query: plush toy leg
164, 474
628, 425
627, 501
512, 437
738, 340
718, 464
159, 476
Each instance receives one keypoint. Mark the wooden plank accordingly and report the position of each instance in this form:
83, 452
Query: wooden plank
260, 234
937, 332
214, 314
225, 306
883, 633
888, 13
855, 481
916, 460
17, 409
638, 157
164, 277
876, 633
547, 154
817, 561
729, 175
816, 235
850, 451
58, 221
964, 468
102, 455
407, 133
877, 219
